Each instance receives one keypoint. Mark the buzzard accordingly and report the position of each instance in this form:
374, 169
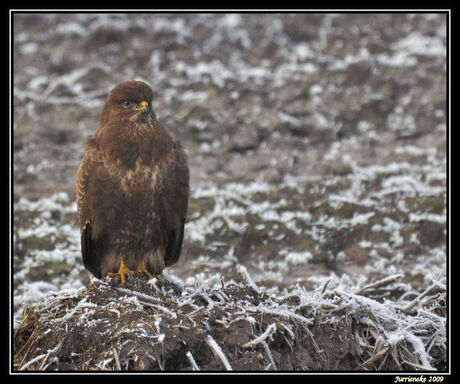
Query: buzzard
132, 189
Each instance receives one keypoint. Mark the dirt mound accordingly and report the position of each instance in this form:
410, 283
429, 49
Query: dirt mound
163, 325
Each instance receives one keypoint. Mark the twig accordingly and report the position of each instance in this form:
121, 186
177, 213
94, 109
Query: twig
395, 360
139, 295
289, 331
418, 366
419, 348
383, 362
380, 283
160, 363
325, 286
200, 292
270, 356
217, 351
426, 292
192, 361
205, 296
102, 364
161, 308
376, 356
281, 312
268, 332
50, 361
30, 362
54, 350
243, 271
117, 359
44, 361
318, 350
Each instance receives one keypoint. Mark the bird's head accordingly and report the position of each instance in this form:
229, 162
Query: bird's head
130, 101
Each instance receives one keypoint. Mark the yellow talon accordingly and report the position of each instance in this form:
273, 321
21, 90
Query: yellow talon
122, 271
142, 268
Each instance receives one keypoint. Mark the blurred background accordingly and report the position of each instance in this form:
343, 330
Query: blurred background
317, 143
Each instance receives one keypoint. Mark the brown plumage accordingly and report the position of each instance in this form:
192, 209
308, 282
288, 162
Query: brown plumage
132, 188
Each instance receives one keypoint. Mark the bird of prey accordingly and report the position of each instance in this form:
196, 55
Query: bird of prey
132, 189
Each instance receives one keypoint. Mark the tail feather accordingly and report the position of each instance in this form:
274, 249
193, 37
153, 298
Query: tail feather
91, 251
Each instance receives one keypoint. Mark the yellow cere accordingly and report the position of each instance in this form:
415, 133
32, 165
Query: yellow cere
142, 105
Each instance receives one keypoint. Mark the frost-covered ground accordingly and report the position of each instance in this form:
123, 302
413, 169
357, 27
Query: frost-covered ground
317, 143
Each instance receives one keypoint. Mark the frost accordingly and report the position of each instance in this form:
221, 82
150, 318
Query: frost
417, 44
218, 352
316, 89
71, 28
361, 218
414, 217
405, 124
398, 59
303, 51
29, 48
231, 20
289, 119
214, 70
297, 258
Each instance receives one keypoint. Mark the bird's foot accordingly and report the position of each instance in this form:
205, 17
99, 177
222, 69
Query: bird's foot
122, 272
142, 268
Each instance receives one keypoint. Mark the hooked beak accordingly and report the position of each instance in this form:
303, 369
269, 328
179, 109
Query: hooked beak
143, 106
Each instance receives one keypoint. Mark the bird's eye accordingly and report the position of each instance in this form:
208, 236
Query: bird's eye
126, 103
